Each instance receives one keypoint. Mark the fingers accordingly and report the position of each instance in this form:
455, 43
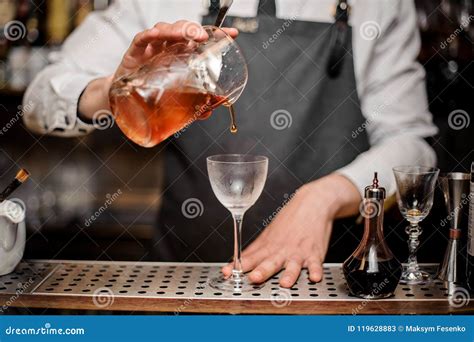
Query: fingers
266, 269
292, 272
251, 256
180, 30
184, 29
233, 32
249, 262
141, 40
148, 43
259, 244
315, 269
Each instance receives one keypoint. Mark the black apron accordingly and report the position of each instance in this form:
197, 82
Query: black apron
298, 109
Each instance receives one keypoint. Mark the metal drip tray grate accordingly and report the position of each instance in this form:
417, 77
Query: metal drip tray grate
27, 276
182, 281
149, 285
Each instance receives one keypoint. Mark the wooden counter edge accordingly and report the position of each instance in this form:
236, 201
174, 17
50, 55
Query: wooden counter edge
224, 306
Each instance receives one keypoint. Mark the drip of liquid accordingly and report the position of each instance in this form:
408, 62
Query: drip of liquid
233, 124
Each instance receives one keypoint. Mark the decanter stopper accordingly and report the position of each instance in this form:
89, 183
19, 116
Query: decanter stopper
374, 191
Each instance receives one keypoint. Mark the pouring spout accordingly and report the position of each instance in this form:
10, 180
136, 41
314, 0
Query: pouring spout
12, 210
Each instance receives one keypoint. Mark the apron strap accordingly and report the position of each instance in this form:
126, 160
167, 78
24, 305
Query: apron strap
265, 7
214, 6
339, 39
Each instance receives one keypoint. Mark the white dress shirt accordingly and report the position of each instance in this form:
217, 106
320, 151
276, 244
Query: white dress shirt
390, 82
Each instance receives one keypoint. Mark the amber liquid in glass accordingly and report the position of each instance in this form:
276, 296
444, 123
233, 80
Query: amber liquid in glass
148, 117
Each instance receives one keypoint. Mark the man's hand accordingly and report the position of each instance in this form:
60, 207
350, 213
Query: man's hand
148, 43
144, 46
298, 237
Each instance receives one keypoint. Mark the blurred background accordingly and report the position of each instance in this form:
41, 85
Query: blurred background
72, 179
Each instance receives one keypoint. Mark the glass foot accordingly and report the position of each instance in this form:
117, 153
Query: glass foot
234, 284
410, 277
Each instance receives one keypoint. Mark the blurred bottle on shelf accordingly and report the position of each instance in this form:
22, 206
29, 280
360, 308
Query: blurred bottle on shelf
58, 21
82, 10
7, 15
31, 29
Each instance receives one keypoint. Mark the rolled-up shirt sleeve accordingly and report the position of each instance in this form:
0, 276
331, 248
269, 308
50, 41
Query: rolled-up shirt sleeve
393, 99
93, 50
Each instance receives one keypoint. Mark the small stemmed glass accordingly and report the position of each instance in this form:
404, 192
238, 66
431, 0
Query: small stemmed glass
237, 181
415, 190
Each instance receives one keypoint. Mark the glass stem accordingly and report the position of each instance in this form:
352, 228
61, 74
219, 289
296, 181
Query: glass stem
237, 271
413, 231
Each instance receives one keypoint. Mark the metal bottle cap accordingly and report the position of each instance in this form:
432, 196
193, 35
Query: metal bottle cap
374, 191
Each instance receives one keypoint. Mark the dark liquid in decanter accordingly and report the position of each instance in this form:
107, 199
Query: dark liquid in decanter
372, 281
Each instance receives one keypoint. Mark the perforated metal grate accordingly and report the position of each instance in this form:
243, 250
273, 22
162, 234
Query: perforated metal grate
27, 276
181, 281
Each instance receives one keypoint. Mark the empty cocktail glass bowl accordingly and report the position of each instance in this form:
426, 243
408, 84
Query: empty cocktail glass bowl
415, 190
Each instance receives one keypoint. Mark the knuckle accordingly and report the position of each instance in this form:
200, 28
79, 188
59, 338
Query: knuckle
137, 37
296, 258
160, 25
181, 22
267, 267
266, 250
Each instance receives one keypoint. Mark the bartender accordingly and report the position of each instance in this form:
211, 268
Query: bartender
334, 93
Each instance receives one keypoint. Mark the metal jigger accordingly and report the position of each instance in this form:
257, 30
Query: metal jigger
455, 187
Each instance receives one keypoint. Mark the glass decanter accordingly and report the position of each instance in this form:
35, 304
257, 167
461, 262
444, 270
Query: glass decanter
183, 83
371, 271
